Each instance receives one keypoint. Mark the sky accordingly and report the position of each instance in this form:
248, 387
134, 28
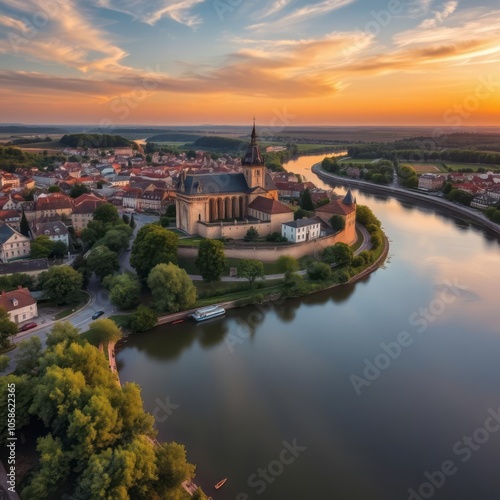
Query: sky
286, 62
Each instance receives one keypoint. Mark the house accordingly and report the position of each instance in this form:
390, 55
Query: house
484, 201
269, 210
13, 245
20, 305
11, 217
430, 182
83, 211
55, 230
301, 230
153, 200
9, 179
293, 189
53, 204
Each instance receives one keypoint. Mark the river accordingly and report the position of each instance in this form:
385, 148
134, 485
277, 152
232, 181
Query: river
386, 389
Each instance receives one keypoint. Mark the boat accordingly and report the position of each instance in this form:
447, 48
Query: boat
220, 483
207, 313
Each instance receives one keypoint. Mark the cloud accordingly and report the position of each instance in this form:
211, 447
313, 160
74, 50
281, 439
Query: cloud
273, 8
302, 14
440, 15
152, 11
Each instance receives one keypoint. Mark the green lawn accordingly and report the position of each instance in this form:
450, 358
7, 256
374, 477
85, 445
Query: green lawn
176, 231
357, 161
190, 241
473, 166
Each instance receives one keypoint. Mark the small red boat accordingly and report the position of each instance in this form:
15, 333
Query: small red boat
220, 483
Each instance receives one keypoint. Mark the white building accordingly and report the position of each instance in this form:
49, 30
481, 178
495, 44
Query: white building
20, 305
13, 245
301, 230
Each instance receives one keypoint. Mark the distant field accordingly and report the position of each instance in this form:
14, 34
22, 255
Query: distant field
356, 161
425, 168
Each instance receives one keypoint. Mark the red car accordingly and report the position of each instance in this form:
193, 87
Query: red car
27, 326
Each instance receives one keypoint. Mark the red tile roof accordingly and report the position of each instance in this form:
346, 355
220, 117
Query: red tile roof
336, 208
269, 206
22, 295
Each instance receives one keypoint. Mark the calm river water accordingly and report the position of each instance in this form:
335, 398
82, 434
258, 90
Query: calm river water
387, 389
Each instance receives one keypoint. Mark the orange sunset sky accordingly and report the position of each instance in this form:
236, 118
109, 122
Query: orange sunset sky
332, 62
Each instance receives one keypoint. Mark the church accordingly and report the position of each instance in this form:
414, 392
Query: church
226, 205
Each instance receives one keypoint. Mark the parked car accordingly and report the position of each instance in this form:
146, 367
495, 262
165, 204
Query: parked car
27, 326
97, 314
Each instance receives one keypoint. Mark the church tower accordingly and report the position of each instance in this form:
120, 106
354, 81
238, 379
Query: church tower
253, 164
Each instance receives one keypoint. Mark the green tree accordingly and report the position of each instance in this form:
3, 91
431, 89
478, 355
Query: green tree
125, 291
59, 249
62, 331
340, 253
103, 261
24, 227
173, 467
115, 239
4, 362
27, 355
79, 189
7, 328
61, 284
132, 222
211, 260
54, 189
105, 330
153, 245
143, 319
447, 188
171, 287
365, 216
94, 231
171, 210
41, 247
319, 271
300, 214
251, 269
126, 219
107, 213
411, 182
285, 263
252, 234
337, 222
306, 202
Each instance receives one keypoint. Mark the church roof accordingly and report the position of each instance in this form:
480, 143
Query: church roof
253, 156
213, 184
269, 206
336, 207
349, 199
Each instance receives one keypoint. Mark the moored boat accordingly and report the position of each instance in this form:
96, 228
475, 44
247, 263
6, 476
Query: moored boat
207, 313
220, 483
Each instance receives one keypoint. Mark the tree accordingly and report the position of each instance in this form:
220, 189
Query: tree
94, 231
171, 287
251, 269
4, 362
153, 245
447, 188
300, 214
252, 234
115, 239
211, 260
106, 213
173, 467
319, 271
106, 330
125, 291
143, 319
7, 328
171, 210
79, 189
54, 189
337, 222
126, 219
103, 261
61, 284
41, 247
24, 227
59, 249
285, 263
28, 354
306, 202
62, 331
365, 216
340, 253
411, 182
132, 222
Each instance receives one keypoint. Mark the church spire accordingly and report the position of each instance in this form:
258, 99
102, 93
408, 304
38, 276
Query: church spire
253, 142
253, 156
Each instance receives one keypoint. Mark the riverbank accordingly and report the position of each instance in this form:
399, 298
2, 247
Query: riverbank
406, 194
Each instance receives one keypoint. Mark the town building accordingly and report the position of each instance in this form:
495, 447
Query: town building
430, 182
13, 245
215, 205
55, 230
301, 230
20, 305
83, 211
32, 267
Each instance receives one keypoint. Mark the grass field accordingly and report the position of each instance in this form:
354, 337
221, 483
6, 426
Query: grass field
357, 161
473, 166
425, 168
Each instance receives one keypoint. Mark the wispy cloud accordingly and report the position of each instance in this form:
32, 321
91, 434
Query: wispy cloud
273, 8
151, 11
440, 15
302, 14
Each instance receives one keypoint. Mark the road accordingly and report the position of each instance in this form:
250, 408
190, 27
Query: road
99, 301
